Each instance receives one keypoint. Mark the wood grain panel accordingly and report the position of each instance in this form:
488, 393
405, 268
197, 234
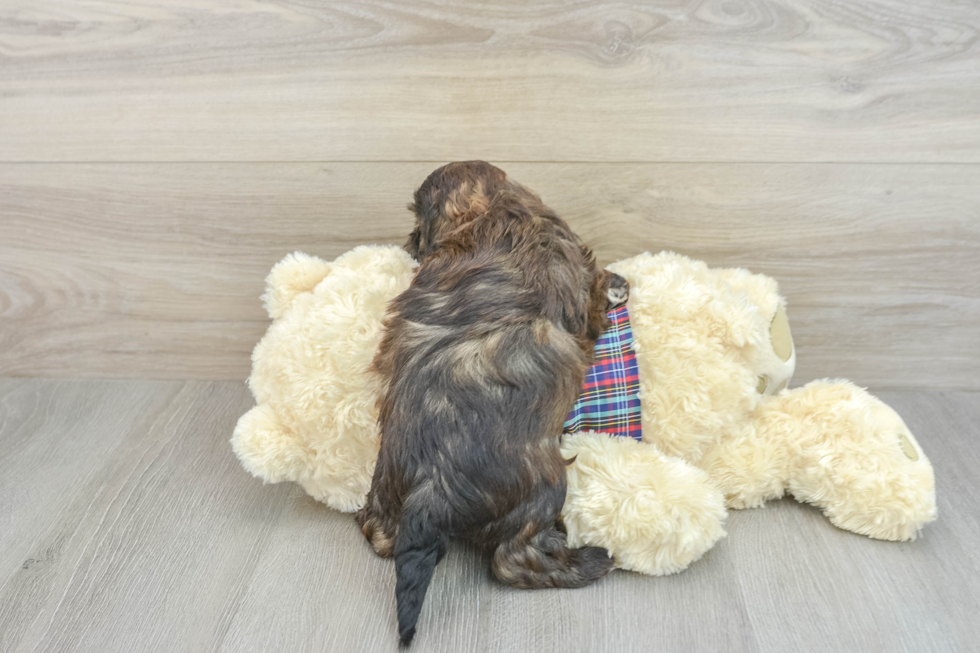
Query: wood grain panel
671, 80
154, 270
151, 547
53, 488
156, 540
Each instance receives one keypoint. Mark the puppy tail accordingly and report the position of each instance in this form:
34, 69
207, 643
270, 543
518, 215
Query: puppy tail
419, 549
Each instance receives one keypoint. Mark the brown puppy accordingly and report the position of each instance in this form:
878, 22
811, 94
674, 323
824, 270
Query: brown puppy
482, 358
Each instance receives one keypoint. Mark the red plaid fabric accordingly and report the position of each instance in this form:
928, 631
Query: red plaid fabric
610, 401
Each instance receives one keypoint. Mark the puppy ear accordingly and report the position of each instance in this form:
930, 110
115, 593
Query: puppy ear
414, 244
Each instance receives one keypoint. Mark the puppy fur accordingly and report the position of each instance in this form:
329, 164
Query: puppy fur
482, 358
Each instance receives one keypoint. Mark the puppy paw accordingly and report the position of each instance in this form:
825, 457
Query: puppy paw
618, 291
594, 561
382, 540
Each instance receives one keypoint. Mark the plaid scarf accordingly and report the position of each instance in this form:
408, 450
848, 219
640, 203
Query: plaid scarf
610, 401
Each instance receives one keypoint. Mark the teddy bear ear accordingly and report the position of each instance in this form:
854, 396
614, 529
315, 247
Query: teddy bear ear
295, 274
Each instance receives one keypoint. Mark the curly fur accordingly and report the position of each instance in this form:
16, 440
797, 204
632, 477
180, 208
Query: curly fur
482, 358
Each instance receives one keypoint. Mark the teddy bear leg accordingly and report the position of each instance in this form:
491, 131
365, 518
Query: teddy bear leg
655, 514
855, 458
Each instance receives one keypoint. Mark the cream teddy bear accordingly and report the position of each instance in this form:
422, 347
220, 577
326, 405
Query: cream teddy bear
715, 355
714, 351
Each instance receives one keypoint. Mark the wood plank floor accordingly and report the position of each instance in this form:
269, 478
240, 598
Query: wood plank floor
126, 524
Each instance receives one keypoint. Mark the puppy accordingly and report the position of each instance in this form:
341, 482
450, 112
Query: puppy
482, 358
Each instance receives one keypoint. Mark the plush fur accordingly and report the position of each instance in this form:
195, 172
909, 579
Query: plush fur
656, 513
704, 349
316, 422
711, 438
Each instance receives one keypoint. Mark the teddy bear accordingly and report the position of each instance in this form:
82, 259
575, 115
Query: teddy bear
719, 428
715, 355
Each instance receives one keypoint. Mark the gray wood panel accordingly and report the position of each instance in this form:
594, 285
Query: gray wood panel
672, 80
128, 525
154, 270
57, 444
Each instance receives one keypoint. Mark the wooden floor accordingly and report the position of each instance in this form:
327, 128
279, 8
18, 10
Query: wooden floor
126, 524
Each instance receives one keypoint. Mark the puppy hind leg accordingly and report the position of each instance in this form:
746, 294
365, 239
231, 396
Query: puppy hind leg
379, 530
543, 560
379, 517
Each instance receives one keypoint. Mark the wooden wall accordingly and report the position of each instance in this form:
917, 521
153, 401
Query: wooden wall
156, 158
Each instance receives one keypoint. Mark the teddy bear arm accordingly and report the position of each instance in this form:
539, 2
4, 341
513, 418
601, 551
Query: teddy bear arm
268, 449
655, 514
